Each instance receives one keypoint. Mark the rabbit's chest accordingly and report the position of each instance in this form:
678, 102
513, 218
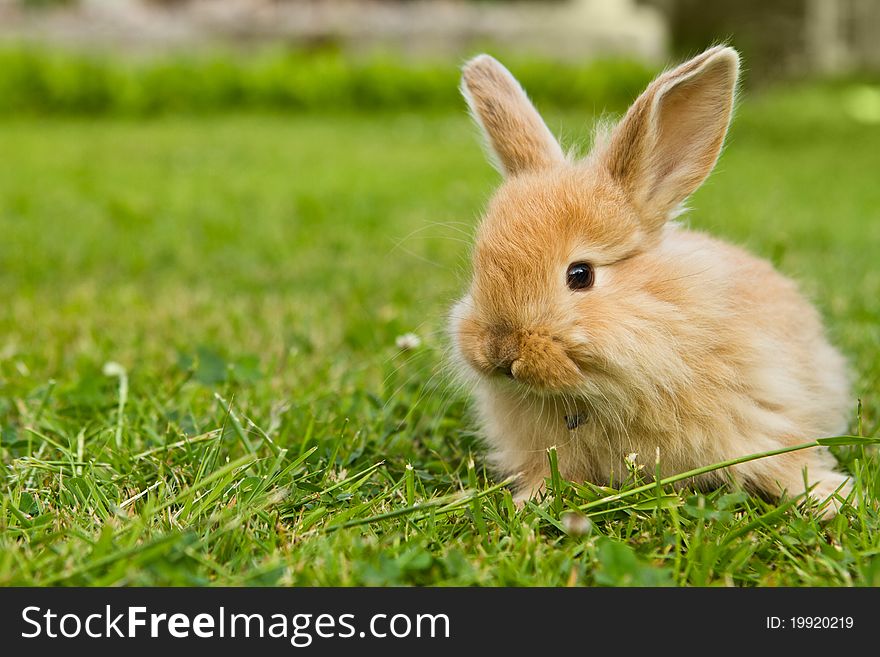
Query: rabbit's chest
521, 432
589, 446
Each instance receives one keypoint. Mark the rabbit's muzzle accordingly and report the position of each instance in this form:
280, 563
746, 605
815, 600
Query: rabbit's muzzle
532, 357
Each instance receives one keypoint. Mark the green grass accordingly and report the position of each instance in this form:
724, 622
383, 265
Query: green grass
250, 273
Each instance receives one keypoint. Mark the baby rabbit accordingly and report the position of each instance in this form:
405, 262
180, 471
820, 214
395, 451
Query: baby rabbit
596, 323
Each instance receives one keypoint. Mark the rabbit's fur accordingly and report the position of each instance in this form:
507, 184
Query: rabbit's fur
684, 347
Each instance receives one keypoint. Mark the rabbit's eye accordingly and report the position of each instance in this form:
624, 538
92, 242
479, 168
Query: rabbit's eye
580, 276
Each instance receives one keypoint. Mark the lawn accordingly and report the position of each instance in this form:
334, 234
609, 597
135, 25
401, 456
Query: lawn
249, 274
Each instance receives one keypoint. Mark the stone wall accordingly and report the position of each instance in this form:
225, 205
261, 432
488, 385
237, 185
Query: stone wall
566, 29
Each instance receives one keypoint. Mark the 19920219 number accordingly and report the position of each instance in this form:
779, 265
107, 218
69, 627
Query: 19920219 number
810, 623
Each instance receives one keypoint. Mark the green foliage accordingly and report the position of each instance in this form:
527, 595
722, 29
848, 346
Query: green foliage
45, 4
35, 80
250, 274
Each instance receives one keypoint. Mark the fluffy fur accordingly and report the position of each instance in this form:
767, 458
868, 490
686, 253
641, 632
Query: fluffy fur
685, 346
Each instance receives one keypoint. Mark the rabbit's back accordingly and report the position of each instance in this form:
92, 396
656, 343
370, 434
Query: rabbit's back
757, 319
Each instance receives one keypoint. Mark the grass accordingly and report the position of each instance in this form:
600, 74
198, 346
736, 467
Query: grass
249, 274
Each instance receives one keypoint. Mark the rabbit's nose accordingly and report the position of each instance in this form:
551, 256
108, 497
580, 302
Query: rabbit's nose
505, 368
503, 351
506, 354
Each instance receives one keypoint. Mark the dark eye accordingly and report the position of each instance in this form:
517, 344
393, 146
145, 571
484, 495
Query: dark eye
579, 276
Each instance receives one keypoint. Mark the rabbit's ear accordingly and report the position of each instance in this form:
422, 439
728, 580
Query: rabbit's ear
669, 140
516, 133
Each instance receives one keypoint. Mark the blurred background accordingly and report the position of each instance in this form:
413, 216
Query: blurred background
156, 55
320, 151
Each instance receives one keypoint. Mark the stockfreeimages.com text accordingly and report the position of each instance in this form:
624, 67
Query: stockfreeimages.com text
300, 629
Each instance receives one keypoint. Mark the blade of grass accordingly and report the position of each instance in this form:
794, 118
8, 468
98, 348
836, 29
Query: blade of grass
836, 440
443, 504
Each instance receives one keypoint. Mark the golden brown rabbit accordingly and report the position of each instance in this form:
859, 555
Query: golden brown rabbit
596, 323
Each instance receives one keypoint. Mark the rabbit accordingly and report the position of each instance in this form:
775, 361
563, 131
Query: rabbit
597, 323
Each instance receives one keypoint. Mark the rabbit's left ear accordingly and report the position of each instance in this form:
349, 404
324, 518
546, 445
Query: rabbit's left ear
669, 140
519, 138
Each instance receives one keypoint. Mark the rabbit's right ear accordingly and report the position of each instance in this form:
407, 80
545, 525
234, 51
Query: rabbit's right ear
519, 138
669, 140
